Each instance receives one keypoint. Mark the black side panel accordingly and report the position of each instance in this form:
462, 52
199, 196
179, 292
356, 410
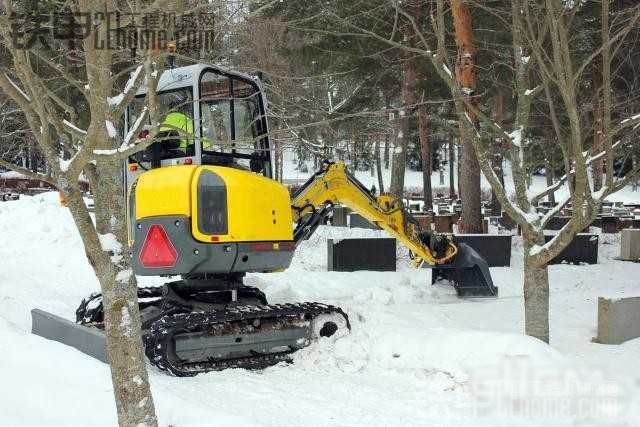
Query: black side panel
212, 204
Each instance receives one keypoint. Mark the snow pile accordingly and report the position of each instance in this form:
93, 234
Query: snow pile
417, 354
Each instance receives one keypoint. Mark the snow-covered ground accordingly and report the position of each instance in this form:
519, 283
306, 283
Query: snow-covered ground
417, 354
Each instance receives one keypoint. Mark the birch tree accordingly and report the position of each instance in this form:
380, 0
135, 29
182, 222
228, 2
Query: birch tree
80, 138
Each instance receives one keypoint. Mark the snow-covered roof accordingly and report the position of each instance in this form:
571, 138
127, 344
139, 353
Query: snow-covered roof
11, 174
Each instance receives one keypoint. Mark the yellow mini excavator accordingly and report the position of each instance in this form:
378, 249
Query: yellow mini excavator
204, 207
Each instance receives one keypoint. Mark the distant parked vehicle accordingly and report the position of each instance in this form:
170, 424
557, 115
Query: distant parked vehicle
5, 197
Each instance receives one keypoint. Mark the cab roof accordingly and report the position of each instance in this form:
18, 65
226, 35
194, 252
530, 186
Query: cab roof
176, 78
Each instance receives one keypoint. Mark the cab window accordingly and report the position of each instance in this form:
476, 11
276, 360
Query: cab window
215, 107
176, 138
231, 122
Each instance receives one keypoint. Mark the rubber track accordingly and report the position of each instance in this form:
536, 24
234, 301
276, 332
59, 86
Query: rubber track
159, 337
86, 315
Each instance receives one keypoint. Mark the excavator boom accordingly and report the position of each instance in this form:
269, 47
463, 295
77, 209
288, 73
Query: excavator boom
334, 184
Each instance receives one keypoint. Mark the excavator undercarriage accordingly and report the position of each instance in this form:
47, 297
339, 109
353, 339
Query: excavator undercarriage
188, 330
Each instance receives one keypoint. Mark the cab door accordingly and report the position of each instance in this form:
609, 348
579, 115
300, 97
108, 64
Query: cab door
233, 122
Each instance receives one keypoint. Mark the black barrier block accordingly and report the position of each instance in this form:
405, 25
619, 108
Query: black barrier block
609, 224
358, 221
494, 248
361, 254
557, 222
506, 222
582, 249
339, 218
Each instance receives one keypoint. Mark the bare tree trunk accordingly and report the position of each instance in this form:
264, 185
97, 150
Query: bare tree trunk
123, 328
550, 169
465, 74
372, 162
386, 151
409, 77
425, 151
598, 130
470, 192
536, 294
452, 173
497, 145
399, 159
125, 354
276, 160
379, 167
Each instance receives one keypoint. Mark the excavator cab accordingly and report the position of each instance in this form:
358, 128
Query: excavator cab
210, 116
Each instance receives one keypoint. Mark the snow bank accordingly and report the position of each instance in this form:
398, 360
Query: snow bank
417, 354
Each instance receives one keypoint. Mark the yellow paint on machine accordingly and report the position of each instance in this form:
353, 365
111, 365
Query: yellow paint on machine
164, 191
258, 208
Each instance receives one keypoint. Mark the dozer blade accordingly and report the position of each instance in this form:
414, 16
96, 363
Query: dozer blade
90, 341
468, 272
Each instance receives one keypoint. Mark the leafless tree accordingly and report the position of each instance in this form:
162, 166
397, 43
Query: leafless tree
546, 63
77, 136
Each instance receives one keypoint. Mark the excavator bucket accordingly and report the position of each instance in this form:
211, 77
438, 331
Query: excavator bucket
469, 274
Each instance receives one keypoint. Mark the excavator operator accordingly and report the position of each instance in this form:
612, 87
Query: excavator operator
176, 135
177, 139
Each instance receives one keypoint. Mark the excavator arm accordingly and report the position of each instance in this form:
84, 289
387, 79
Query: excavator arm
333, 184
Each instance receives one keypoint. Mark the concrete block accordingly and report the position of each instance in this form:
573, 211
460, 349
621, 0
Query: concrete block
582, 249
494, 248
361, 254
358, 221
630, 244
618, 320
